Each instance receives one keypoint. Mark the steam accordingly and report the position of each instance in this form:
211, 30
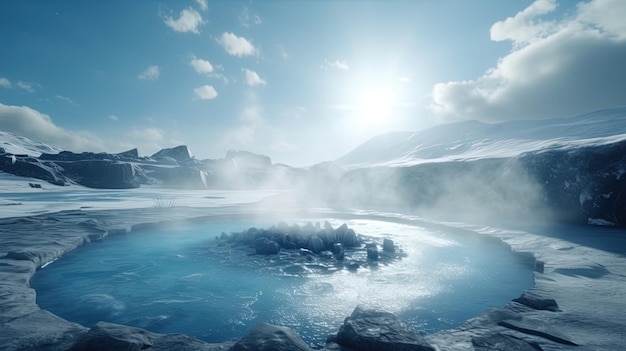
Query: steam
479, 190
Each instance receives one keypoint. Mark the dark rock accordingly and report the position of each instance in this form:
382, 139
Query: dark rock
267, 337
316, 244
388, 245
501, 342
372, 253
105, 174
370, 330
337, 248
180, 153
113, 337
35, 185
537, 327
350, 239
532, 299
32, 167
265, 246
338, 251
106, 336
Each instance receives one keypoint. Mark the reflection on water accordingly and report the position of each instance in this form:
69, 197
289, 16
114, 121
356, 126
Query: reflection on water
166, 281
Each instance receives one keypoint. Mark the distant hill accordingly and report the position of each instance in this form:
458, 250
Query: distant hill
472, 140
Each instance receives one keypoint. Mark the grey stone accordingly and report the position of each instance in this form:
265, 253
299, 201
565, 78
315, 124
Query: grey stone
267, 337
370, 330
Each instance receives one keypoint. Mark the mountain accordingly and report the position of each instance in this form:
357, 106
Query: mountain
172, 167
472, 140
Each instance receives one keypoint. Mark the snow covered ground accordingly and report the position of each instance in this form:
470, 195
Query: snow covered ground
584, 269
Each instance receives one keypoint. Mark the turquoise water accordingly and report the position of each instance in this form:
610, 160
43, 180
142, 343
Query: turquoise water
170, 281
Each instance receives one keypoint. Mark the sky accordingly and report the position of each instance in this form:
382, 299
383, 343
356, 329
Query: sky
300, 81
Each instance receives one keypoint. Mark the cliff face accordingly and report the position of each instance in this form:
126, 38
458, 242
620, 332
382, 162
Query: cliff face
586, 184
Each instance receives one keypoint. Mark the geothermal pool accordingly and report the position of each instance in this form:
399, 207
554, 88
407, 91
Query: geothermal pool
170, 281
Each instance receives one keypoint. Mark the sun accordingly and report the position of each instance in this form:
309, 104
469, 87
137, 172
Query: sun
375, 106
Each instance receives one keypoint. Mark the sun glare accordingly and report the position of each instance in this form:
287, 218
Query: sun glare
374, 106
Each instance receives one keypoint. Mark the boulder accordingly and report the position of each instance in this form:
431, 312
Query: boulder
372, 253
534, 300
338, 251
267, 337
388, 245
114, 337
350, 239
316, 244
501, 342
265, 246
371, 330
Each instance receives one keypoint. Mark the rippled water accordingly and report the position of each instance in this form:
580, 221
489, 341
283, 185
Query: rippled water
168, 281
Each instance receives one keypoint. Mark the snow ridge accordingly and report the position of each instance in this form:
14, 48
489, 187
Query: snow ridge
471, 140
19, 145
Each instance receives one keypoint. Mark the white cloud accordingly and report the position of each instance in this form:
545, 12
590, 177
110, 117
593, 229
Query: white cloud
236, 46
203, 5
29, 87
66, 99
150, 73
523, 28
188, 21
337, 64
246, 18
25, 121
404, 79
253, 79
113, 118
201, 66
5, 83
26, 86
605, 14
575, 67
205, 92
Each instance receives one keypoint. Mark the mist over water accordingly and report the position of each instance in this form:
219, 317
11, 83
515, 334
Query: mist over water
168, 281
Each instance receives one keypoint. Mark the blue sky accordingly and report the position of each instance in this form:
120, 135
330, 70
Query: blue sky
300, 81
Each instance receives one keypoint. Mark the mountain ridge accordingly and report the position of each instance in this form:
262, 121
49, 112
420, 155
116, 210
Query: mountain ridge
470, 140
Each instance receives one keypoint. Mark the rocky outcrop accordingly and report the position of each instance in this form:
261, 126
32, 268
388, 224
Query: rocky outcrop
180, 154
371, 330
105, 174
26, 166
108, 336
584, 185
267, 337
310, 237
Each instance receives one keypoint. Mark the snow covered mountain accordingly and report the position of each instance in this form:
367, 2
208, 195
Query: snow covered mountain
19, 145
472, 140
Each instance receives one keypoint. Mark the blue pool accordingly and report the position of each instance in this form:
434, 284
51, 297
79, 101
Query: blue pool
170, 281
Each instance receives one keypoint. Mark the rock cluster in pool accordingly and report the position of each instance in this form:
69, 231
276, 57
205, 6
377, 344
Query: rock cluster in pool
318, 246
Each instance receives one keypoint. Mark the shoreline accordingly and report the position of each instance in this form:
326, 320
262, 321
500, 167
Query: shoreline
26, 326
